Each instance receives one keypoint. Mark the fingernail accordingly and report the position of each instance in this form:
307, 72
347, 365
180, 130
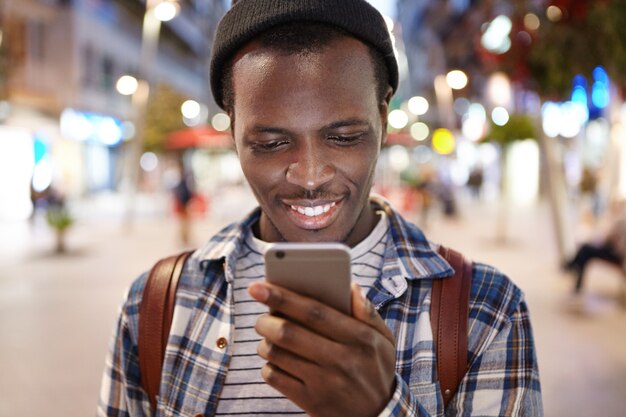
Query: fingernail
362, 292
259, 292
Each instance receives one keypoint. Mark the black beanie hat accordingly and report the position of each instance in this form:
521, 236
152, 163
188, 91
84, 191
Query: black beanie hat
248, 18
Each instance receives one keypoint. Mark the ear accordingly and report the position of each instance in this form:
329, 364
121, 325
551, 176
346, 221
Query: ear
384, 112
231, 114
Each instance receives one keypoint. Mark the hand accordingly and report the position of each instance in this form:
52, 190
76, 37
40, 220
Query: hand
326, 362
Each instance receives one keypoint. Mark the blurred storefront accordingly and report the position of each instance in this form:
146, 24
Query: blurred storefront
59, 62
210, 155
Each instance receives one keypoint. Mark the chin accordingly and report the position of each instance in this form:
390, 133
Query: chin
314, 236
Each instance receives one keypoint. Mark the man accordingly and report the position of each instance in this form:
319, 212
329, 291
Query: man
307, 84
611, 247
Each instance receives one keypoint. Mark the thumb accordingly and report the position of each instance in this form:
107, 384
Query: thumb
364, 311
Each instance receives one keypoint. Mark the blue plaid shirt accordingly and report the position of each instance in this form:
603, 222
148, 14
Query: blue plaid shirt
502, 379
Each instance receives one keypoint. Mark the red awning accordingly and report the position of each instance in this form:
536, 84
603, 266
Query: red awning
199, 137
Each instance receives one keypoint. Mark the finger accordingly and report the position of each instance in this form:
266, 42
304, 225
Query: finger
311, 313
282, 381
319, 317
292, 364
364, 311
300, 341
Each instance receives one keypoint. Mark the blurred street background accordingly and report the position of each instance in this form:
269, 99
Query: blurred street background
506, 141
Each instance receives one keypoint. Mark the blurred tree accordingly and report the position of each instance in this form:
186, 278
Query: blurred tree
60, 221
579, 36
588, 33
163, 117
519, 127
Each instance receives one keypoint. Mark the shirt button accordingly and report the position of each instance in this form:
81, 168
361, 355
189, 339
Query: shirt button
221, 342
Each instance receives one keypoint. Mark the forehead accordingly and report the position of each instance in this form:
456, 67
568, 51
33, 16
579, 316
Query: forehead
333, 75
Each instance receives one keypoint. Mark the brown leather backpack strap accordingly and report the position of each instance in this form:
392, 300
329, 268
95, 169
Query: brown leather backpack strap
449, 314
155, 320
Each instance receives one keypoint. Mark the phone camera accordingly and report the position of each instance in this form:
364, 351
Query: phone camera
280, 254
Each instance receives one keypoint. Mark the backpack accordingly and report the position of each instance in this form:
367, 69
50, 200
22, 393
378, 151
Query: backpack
449, 311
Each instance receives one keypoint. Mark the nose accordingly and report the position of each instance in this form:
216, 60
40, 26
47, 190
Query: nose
311, 168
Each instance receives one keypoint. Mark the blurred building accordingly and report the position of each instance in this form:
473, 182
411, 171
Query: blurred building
59, 64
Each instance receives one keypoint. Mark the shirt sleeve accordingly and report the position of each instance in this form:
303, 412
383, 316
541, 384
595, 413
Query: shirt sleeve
121, 394
403, 402
503, 379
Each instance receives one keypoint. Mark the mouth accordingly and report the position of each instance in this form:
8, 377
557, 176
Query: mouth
313, 211
311, 215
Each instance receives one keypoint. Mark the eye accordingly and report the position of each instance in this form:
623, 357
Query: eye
269, 146
344, 140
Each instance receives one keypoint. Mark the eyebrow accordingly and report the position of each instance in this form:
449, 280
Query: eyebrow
334, 125
347, 122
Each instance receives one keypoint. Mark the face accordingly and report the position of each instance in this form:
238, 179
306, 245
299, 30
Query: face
308, 130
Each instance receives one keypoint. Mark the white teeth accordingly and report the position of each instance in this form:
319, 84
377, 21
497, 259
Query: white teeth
313, 211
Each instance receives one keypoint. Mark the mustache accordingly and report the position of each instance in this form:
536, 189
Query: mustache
317, 194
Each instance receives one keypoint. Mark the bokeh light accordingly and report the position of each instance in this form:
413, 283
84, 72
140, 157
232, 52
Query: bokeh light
398, 119
443, 141
149, 161
419, 131
500, 116
166, 10
418, 105
499, 90
220, 122
190, 109
399, 158
456, 79
553, 13
127, 85
565, 119
496, 37
551, 119
474, 124
600, 95
531, 21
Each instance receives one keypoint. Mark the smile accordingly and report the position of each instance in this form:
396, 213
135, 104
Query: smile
313, 211
312, 215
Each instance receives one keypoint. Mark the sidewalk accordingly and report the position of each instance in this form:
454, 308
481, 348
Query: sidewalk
57, 312
580, 340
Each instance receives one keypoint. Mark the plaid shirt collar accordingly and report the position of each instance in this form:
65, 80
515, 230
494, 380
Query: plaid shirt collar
408, 255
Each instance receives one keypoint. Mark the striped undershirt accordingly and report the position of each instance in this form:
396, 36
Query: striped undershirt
245, 393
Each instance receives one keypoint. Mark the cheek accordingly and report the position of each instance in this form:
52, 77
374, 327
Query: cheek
261, 174
362, 167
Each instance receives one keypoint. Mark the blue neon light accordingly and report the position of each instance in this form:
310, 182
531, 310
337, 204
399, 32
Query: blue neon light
40, 149
600, 95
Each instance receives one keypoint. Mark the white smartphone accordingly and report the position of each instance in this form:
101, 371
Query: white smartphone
317, 270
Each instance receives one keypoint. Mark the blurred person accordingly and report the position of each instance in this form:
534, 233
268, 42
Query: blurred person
183, 198
307, 84
445, 191
475, 182
426, 188
611, 247
48, 198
